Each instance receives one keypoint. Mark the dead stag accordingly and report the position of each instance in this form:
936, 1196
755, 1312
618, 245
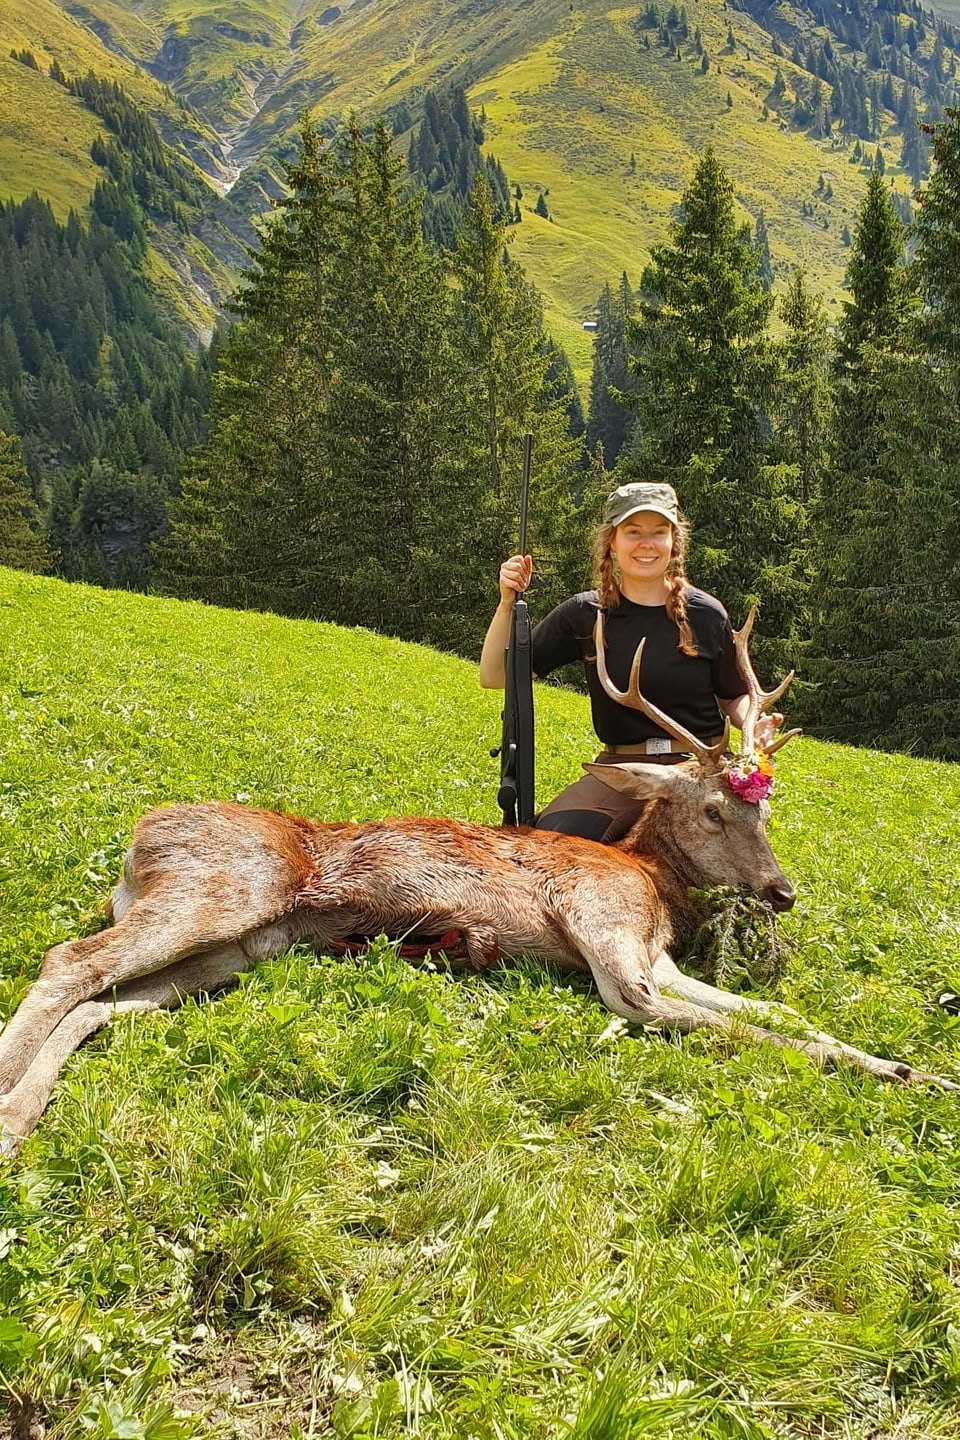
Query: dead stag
207, 890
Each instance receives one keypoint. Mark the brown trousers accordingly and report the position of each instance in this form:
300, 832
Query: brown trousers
594, 810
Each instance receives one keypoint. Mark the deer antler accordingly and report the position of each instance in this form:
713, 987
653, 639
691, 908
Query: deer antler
760, 699
710, 756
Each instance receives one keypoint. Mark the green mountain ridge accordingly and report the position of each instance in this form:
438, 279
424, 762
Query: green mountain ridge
603, 107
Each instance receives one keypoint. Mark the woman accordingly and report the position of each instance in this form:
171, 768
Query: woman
689, 670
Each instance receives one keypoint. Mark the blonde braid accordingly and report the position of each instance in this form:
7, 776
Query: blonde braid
677, 579
604, 575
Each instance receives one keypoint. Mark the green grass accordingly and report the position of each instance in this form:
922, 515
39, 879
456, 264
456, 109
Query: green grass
45, 139
360, 1199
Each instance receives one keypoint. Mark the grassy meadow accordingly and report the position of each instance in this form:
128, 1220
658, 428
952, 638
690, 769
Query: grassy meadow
356, 1199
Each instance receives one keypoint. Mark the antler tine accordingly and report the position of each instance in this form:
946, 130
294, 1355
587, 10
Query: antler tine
781, 740
760, 699
709, 756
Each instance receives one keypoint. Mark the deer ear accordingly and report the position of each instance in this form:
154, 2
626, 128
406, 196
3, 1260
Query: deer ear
643, 781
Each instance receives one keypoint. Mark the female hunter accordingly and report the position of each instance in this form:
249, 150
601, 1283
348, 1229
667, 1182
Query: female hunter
689, 670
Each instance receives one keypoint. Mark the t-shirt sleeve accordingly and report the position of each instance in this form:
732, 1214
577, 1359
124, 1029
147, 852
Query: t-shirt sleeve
728, 683
556, 639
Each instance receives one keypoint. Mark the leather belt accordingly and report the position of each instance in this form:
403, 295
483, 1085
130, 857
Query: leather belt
657, 746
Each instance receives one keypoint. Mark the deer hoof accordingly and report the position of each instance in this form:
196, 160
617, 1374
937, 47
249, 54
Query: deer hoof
9, 1143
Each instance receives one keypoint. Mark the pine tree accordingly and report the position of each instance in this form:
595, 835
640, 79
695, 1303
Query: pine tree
884, 599
762, 243
937, 234
505, 391
396, 436
704, 365
876, 276
363, 462
914, 153
609, 421
804, 395
243, 529
22, 543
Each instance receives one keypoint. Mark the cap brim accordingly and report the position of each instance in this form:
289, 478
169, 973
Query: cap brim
650, 509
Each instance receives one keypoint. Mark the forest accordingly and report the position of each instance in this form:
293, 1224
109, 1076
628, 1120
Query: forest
348, 449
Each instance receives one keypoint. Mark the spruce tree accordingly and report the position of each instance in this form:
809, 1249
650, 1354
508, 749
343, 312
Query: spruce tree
609, 420
704, 369
396, 430
876, 277
506, 390
334, 482
762, 242
804, 393
22, 542
884, 604
937, 233
243, 529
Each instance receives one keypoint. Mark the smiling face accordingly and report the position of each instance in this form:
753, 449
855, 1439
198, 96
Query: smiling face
643, 546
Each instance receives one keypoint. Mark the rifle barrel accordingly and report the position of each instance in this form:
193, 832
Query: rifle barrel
525, 490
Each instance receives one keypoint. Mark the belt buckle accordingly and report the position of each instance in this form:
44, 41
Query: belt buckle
657, 746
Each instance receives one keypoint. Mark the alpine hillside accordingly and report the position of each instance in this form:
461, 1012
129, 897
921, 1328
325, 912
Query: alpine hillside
600, 108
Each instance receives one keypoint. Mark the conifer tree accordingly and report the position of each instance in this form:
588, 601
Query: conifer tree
884, 606
245, 516
937, 234
704, 368
762, 242
364, 456
334, 483
394, 422
506, 391
804, 401
877, 279
22, 543
609, 420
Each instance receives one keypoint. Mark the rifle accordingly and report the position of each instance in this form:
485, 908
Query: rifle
515, 796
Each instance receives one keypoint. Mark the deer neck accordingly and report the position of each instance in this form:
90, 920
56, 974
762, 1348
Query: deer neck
677, 873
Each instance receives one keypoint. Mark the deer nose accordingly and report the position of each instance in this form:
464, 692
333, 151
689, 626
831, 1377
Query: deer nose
779, 896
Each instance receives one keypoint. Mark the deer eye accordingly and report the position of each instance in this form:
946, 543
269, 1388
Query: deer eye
712, 813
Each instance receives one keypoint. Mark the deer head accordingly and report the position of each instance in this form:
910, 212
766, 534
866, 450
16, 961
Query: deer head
707, 831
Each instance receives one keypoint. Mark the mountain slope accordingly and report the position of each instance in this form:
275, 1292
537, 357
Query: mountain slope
604, 106
47, 132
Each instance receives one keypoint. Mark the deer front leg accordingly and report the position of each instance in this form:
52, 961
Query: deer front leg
166, 990
623, 971
820, 1046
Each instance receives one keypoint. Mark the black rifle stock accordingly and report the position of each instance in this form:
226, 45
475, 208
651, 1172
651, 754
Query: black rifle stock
516, 794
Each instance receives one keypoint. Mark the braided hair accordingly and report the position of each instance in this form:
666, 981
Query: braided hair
608, 588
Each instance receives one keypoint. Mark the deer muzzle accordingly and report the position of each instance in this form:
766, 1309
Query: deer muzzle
780, 896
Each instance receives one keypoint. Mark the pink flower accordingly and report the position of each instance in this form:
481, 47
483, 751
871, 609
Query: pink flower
751, 785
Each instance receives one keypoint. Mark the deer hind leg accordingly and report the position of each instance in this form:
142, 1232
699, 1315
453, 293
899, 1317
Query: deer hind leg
152, 934
820, 1046
165, 990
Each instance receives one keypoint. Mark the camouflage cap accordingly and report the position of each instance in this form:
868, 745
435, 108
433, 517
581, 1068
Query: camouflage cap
643, 495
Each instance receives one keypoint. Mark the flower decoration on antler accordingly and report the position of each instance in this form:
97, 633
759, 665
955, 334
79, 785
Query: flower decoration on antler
750, 773
751, 776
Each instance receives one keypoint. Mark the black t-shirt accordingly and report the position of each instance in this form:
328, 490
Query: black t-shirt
685, 687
